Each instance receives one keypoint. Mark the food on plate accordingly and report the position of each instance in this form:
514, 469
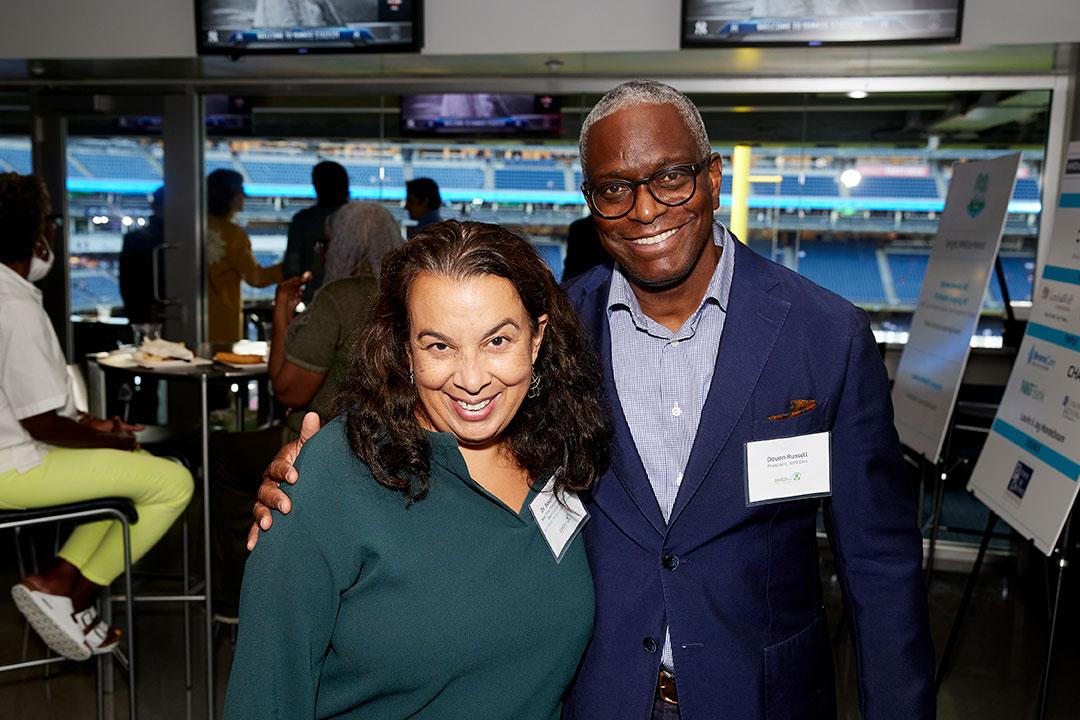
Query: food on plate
238, 358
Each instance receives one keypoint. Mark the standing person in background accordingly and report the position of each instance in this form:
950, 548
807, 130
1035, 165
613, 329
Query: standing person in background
229, 258
137, 265
308, 227
422, 202
309, 357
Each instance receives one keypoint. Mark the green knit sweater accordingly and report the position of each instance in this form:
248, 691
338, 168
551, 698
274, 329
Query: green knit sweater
358, 605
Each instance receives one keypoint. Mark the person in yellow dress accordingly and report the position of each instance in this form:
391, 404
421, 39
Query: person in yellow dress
229, 258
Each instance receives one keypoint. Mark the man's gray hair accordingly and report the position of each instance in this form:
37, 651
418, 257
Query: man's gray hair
644, 92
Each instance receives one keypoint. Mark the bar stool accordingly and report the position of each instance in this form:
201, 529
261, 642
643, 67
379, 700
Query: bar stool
117, 508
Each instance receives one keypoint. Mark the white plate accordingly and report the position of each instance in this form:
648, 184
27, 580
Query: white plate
172, 364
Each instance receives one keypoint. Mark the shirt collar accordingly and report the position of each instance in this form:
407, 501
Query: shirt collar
718, 291
13, 280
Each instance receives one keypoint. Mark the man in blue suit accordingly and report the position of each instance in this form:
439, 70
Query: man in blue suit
708, 606
708, 599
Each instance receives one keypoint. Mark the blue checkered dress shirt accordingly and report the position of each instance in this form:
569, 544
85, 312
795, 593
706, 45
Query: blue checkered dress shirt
662, 377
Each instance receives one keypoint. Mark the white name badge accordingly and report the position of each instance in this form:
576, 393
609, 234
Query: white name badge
787, 468
558, 522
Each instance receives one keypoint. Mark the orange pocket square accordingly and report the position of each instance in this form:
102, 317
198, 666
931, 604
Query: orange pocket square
798, 407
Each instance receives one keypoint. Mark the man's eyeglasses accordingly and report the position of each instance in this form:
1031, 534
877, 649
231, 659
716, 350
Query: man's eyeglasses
671, 186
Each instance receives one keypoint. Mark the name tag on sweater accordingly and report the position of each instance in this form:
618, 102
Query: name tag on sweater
787, 469
559, 522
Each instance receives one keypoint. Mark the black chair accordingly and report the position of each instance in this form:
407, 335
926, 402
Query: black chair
103, 508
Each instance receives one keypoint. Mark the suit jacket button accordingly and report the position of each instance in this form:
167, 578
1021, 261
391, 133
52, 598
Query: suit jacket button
671, 562
650, 645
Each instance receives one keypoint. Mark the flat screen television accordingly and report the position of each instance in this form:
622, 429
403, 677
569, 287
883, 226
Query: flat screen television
727, 23
480, 114
225, 115
245, 27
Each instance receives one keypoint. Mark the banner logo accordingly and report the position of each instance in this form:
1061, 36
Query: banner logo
1032, 390
1021, 476
1040, 360
977, 203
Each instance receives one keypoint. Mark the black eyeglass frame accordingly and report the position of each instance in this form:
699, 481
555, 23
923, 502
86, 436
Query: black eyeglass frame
694, 168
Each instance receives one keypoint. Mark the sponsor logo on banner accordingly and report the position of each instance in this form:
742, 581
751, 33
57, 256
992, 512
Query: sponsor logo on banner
1018, 483
1072, 166
1040, 360
1070, 409
1032, 390
1062, 299
1042, 428
1073, 373
977, 203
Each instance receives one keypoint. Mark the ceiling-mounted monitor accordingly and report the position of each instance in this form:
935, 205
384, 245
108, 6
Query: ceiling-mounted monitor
480, 114
729, 23
289, 27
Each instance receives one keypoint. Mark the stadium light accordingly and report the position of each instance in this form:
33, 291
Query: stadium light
858, 94
127, 221
850, 178
140, 222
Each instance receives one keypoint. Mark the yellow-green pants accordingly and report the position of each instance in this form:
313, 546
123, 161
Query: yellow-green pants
159, 488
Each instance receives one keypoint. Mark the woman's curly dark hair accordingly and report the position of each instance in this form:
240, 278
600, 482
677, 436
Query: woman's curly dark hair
563, 428
24, 209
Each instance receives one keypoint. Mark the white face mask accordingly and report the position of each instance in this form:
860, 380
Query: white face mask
40, 268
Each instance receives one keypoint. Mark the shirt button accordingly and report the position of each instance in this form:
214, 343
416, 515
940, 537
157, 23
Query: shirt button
671, 562
650, 645
674, 343
676, 411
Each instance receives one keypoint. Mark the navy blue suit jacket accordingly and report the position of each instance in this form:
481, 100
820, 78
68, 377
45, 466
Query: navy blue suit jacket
741, 590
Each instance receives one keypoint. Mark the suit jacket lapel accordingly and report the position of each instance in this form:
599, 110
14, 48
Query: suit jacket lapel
626, 464
753, 322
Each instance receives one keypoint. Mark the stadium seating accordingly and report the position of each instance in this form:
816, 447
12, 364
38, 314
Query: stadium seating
1019, 276
368, 174
896, 187
116, 166
1026, 189
847, 268
276, 172
460, 178
16, 159
907, 271
512, 179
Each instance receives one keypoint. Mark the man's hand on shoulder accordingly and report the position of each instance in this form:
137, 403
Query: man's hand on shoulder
280, 470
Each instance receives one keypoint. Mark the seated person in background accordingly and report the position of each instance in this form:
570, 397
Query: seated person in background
308, 226
229, 258
411, 579
137, 266
422, 202
308, 359
51, 455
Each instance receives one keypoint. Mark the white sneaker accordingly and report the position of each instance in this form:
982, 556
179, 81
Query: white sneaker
51, 616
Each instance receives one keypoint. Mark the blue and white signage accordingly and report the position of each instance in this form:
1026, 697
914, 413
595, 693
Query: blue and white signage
947, 313
1029, 468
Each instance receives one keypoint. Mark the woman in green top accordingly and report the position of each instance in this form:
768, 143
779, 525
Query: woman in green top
430, 568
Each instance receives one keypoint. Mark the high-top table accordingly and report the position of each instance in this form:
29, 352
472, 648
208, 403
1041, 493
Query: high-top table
103, 365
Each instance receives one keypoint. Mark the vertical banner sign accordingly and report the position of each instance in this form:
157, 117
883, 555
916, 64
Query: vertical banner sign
951, 297
1028, 470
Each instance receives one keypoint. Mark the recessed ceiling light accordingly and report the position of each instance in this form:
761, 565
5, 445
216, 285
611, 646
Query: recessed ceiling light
857, 94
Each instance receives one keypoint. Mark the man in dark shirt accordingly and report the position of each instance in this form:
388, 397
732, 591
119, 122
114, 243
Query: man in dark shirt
308, 226
422, 202
137, 266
